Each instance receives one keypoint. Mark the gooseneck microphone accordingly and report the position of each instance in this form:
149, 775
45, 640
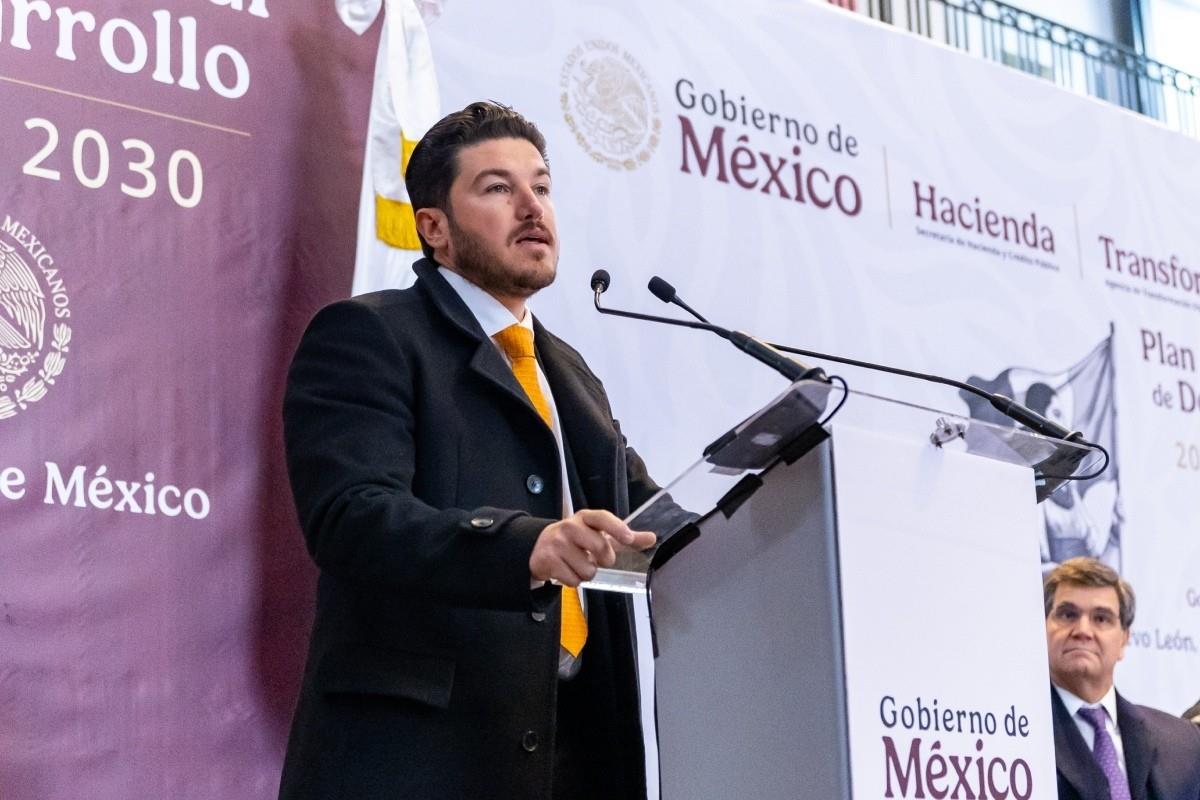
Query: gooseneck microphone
787, 367
666, 292
1005, 405
600, 281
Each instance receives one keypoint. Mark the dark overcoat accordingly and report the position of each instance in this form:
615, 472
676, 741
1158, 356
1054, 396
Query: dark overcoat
1162, 755
422, 476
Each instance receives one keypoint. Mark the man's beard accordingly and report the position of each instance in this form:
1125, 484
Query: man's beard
479, 263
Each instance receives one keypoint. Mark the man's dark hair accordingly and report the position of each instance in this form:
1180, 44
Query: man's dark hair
433, 165
1090, 572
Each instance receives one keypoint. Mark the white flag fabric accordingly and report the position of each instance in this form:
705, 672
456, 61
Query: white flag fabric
404, 103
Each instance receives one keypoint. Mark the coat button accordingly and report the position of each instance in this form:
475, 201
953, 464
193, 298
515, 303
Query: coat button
529, 741
535, 484
538, 616
482, 522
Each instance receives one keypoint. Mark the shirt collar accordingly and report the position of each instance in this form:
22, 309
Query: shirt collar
1073, 703
491, 314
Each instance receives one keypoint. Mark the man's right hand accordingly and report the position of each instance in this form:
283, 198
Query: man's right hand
570, 551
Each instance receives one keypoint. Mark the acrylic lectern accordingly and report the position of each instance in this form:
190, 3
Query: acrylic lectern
851, 607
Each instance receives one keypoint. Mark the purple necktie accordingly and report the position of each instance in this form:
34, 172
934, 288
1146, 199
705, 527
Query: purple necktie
1105, 753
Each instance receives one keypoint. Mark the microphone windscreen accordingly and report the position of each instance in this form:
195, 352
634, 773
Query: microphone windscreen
600, 280
661, 289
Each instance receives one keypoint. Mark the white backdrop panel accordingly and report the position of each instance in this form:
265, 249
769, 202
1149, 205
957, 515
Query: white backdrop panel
897, 281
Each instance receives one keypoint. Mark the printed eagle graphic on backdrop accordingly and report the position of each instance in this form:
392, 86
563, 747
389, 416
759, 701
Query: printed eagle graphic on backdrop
1082, 518
22, 312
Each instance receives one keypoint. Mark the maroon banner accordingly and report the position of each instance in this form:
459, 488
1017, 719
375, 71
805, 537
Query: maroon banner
179, 194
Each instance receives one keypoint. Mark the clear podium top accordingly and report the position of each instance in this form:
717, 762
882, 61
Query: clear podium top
796, 421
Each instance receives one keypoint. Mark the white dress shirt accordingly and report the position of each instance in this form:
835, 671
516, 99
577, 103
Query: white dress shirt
1109, 704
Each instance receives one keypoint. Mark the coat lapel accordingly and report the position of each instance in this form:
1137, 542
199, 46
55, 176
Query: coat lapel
578, 397
485, 361
1074, 760
587, 424
1139, 747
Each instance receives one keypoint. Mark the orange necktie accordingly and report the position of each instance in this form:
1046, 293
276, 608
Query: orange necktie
517, 343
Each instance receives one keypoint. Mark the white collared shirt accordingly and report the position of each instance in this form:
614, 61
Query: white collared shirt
1109, 704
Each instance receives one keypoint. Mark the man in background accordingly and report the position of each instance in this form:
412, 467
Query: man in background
1107, 748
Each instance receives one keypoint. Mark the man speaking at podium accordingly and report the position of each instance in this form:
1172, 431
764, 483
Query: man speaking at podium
449, 456
1107, 748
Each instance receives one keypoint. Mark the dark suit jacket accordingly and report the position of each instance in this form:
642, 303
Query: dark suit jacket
1162, 755
432, 669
